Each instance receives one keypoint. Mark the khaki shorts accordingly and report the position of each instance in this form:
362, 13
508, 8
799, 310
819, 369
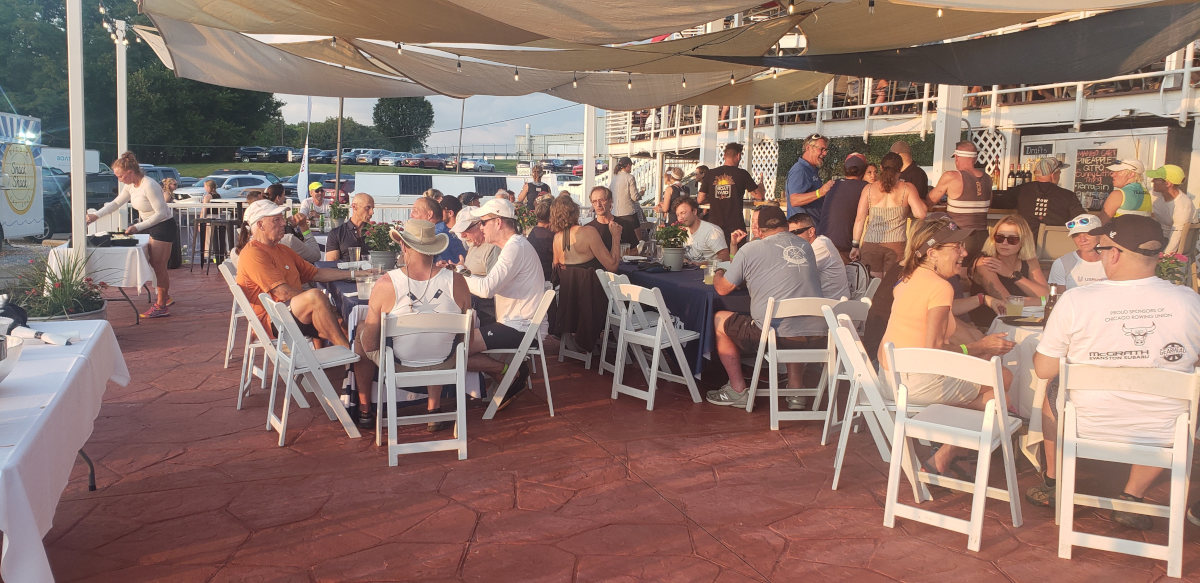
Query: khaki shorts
746, 334
928, 389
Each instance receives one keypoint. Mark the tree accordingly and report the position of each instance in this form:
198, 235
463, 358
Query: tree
404, 122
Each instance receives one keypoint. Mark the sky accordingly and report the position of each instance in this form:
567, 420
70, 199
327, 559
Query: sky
480, 110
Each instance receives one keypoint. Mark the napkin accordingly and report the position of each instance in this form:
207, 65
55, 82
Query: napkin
56, 339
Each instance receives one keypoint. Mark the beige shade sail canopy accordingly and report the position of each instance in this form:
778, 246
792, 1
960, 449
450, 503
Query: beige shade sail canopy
498, 22
789, 86
1027, 5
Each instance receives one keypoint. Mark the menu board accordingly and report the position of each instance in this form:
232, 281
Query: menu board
1092, 179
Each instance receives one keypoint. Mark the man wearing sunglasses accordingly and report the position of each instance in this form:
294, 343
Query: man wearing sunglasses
1133, 319
830, 268
1081, 266
803, 181
1043, 201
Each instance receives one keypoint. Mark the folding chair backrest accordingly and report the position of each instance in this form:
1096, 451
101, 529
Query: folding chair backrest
394, 326
630, 298
229, 272
539, 316
1159, 382
1053, 242
290, 335
854, 358
943, 362
607, 279
856, 310
869, 294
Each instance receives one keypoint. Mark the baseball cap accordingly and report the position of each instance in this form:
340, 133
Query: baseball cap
468, 197
1136, 233
1082, 224
497, 207
1135, 165
855, 161
261, 209
1048, 166
463, 221
1169, 172
315, 186
948, 233
771, 217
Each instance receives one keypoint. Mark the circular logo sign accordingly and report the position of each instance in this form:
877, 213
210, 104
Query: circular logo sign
1172, 352
20, 177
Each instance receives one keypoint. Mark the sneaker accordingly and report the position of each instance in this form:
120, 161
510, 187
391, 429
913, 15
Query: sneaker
727, 396
1131, 519
170, 302
1193, 513
156, 311
796, 403
519, 384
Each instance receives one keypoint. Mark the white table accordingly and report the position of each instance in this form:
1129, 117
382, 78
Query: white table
48, 405
119, 267
1027, 390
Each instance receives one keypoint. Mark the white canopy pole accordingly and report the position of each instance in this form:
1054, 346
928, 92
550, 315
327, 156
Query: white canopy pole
122, 91
589, 153
75, 112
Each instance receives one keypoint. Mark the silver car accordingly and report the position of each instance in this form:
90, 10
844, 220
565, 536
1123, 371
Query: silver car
478, 166
393, 159
230, 186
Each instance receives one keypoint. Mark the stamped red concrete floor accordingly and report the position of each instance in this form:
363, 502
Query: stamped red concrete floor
191, 489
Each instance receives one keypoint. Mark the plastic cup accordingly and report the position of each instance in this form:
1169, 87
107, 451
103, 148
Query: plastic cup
710, 271
1014, 306
354, 254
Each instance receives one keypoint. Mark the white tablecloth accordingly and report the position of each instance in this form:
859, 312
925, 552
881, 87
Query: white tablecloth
1027, 389
116, 266
48, 405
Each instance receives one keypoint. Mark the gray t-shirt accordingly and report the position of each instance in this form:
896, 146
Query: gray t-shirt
781, 266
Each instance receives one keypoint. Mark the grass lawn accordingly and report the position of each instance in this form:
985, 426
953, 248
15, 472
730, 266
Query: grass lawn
284, 170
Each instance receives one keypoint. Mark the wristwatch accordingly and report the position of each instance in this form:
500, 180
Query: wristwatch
1016, 275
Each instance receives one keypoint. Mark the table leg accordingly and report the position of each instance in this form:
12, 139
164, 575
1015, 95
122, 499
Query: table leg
137, 316
91, 471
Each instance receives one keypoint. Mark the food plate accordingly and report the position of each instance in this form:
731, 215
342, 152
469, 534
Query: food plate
1023, 320
632, 258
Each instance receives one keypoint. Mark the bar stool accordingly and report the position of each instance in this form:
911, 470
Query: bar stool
217, 249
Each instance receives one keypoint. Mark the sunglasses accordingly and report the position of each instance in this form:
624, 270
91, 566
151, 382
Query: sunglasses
1100, 248
1082, 222
804, 230
1010, 239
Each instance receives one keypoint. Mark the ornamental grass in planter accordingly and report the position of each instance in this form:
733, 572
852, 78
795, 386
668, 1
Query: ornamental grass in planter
63, 291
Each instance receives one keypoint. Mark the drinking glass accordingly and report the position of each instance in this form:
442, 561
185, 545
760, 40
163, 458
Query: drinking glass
1014, 306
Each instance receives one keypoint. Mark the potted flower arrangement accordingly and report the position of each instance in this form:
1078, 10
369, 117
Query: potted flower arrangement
338, 213
1172, 267
672, 237
526, 220
62, 292
383, 249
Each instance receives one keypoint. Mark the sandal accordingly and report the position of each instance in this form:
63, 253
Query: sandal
1041, 496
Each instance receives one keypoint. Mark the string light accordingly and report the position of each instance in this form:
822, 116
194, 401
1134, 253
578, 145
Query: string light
629, 83
516, 74
459, 64
333, 41
400, 49
791, 6
102, 10
939, 12
774, 73
574, 80
870, 6
731, 79
684, 82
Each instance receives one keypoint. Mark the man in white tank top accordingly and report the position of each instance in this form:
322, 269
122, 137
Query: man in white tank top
417, 288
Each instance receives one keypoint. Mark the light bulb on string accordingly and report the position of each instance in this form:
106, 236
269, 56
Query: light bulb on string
684, 83
574, 80
939, 12
458, 65
516, 74
400, 49
731, 79
333, 41
102, 11
791, 6
629, 83
870, 6
774, 73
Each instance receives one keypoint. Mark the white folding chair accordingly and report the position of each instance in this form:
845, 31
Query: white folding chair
393, 375
982, 431
531, 345
235, 312
768, 348
1176, 457
655, 335
855, 311
868, 294
865, 398
613, 323
257, 339
299, 365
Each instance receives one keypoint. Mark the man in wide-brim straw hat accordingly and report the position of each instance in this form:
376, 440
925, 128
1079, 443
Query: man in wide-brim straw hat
418, 287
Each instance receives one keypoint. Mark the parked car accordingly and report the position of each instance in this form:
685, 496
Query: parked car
371, 157
424, 161
299, 154
550, 164
347, 187
228, 186
569, 164
351, 157
248, 153
394, 159
449, 161
275, 154
160, 173
478, 166
323, 157
291, 189
188, 180
56, 203
228, 172
577, 169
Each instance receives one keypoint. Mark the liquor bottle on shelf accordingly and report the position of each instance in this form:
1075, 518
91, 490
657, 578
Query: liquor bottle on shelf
1020, 176
1028, 172
1012, 177
996, 184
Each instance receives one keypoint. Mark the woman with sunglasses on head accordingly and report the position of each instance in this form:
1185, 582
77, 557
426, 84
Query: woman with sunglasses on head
1081, 266
1008, 264
883, 209
922, 316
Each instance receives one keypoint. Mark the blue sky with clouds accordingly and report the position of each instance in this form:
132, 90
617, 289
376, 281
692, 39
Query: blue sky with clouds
479, 110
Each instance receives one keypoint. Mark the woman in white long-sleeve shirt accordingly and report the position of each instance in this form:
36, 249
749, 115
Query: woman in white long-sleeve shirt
146, 196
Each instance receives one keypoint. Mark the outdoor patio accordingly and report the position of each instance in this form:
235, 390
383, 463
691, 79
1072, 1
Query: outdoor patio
191, 489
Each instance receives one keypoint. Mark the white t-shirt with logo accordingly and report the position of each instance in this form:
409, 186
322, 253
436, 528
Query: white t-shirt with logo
834, 284
1072, 271
705, 243
1137, 323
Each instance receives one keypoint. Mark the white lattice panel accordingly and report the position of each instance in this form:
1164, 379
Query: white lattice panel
764, 161
991, 144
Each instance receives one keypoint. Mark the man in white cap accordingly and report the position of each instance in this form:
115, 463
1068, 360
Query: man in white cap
266, 266
481, 255
1128, 197
1173, 207
1043, 201
419, 287
516, 282
1081, 266
968, 194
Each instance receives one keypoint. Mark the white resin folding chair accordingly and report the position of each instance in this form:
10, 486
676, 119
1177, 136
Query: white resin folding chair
657, 335
257, 339
1176, 457
613, 322
393, 376
768, 348
868, 294
301, 366
855, 311
983, 431
531, 345
235, 312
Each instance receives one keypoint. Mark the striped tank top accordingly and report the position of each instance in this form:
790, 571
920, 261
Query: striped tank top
969, 211
885, 224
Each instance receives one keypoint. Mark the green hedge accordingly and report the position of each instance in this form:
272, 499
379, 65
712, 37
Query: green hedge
839, 148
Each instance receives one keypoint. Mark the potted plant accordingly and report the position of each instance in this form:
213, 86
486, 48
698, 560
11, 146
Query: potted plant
62, 292
338, 213
526, 220
672, 237
383, 249
1172, 267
